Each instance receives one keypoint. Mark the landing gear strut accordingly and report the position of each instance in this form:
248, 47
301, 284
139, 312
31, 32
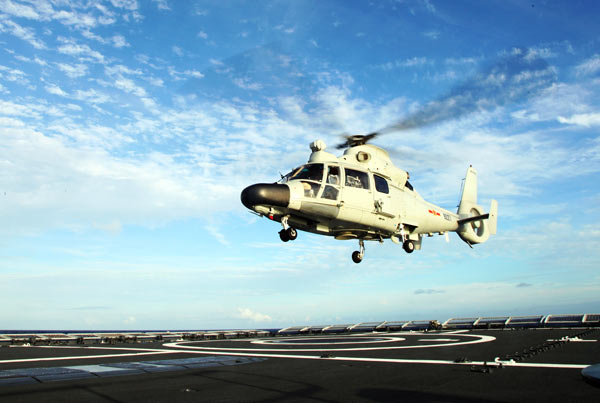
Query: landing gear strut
357, 256
287, 233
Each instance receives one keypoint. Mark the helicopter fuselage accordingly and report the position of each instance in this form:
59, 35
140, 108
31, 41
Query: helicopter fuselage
360, 195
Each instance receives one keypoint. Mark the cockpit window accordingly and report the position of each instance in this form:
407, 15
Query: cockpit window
333, 175
312, 172
332, 181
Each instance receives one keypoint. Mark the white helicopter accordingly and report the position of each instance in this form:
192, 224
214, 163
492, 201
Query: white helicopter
362, 195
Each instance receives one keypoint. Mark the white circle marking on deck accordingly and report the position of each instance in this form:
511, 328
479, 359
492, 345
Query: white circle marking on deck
475, 339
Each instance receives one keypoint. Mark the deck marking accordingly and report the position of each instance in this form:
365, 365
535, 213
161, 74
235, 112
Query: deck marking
390, 360
141, 351
178, 348
478, 339
293, 342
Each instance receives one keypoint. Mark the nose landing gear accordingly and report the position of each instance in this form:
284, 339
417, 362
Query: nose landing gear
357, 256
287, 233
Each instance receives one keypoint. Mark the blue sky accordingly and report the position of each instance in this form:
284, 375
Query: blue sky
129, 128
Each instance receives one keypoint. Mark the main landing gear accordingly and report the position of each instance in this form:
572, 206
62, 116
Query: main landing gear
357, 256
287, 233
408, 246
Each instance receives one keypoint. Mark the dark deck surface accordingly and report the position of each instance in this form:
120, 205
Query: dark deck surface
474, 366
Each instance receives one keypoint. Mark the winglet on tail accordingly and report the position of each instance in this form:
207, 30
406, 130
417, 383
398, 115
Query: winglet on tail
493, 220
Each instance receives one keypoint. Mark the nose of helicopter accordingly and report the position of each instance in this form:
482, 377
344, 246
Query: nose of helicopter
266, 193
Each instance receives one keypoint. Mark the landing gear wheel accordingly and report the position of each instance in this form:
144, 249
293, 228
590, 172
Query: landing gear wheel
408, 246
283, 235
357, 257
292, 233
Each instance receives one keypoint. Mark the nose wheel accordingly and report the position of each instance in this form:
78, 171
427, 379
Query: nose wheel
288, 234
357, 255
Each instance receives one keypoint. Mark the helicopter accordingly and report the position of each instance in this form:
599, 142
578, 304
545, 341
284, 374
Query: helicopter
363, 196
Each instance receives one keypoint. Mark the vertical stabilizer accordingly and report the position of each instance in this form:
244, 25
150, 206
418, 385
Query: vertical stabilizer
476, 230
468, 198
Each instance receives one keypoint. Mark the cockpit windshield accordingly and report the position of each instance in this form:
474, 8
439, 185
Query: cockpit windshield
312, 172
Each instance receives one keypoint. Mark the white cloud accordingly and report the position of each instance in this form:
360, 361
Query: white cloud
284, 29
162, 4
73, 70
11, 122
12, 74
84, 185
75, 19
411, 62
18, 10
589, 67
584, 119
217, 234
432, 34
56, 90
91, 96
182, 75
119, 41
193, 73
25, 33
248, 314
121, 69
14, 109
177, 50
158, 82
40, 61
130, 320
125, 4
113, 226
74, 49
462, 61
428, 6
129, 85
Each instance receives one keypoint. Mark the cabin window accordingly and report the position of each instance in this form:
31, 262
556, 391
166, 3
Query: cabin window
381, 185
357, 179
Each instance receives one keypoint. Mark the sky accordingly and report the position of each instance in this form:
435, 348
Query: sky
129, 128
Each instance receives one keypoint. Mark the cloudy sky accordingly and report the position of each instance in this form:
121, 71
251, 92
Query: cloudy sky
129, 128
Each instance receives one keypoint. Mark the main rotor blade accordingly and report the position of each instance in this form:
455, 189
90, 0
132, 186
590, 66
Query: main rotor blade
516, 77
356, 140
